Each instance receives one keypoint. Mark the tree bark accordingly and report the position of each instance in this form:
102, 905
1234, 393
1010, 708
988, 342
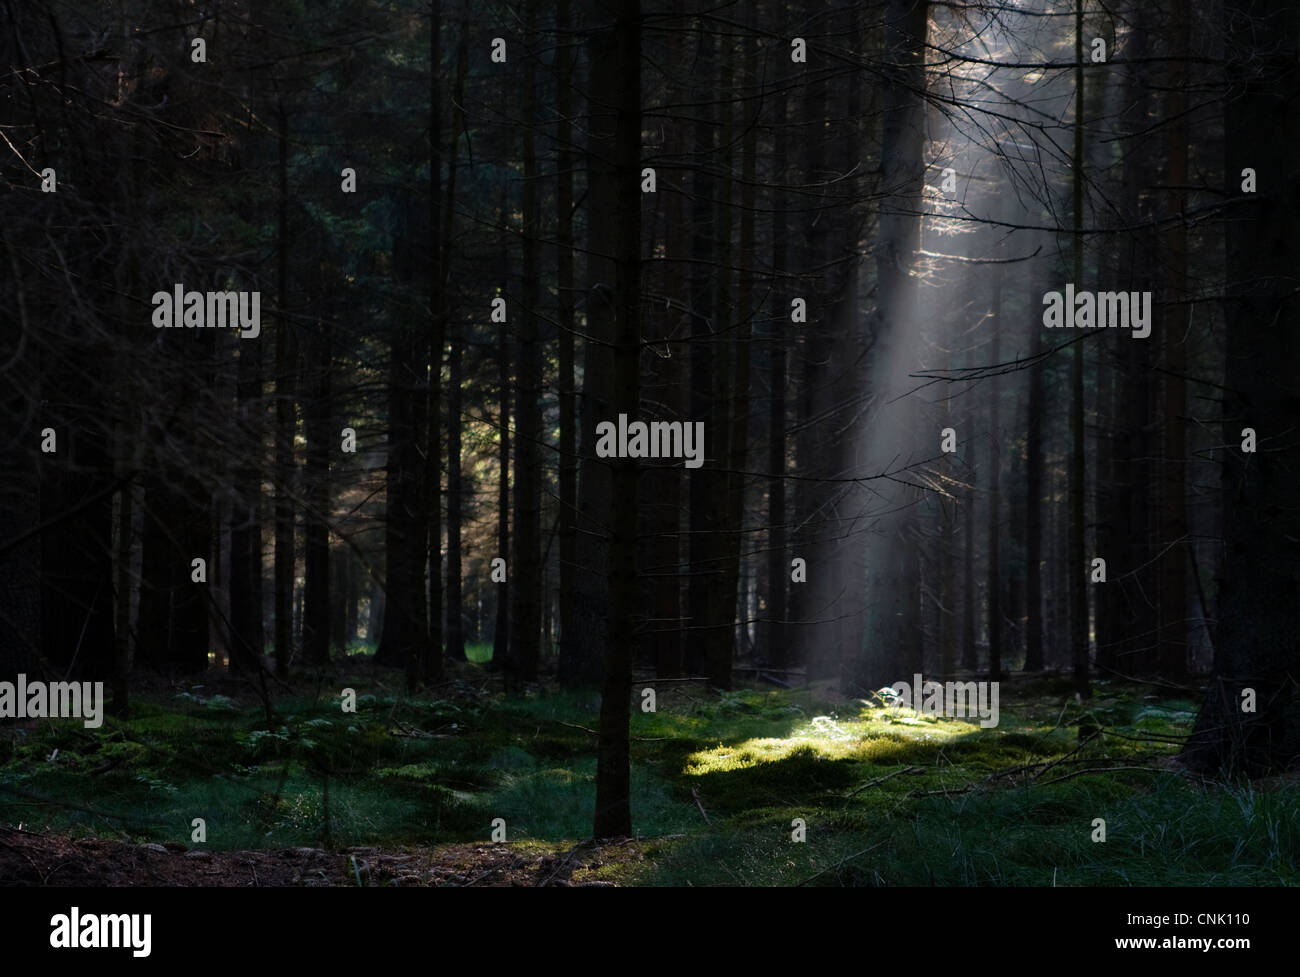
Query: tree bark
521, 664
1259, 605
1077, 579
285, 421
431, 659
995, 628
316, 532
455, 394
1174, 329
700, 543
613, 816
778, 556
565, 285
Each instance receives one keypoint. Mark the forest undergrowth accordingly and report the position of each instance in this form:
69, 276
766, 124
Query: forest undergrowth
723, 784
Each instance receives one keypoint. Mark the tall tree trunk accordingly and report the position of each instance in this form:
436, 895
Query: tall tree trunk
969, 655
613, 815
316, 532
248, 637
76, 560
501, 633
455, 506
947, 552
431, 662
1248, 722
1077, 580
122, 584
406, 629
285, 422
724, 480
738, 442
702, 404
565, 283
1128, 644
521, 664
661, 480
455, 395
810, 598
1174, 329
581, 665
1034, 449
778, 556
22, 580
995, 487
1103, 480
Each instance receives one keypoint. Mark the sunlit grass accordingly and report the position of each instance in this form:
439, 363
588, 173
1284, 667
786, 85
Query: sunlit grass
874, 734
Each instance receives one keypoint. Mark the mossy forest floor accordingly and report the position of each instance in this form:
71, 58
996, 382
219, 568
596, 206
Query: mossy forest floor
406, 791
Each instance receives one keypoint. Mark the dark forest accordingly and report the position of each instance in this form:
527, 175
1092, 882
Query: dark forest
650, 443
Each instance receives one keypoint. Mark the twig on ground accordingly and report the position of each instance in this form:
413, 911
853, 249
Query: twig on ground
881, 780
635, 739
696, 794
1090, 737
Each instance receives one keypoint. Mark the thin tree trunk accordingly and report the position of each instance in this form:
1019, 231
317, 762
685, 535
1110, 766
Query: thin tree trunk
738, 442
702, 403
1034, 510
501, 634
1130, 620
581, 666
947, 553
995, 486
455, 394
320, 443
565, 284
1077, 579
521, 664
122, 623
778, 557
284, 421
1173, 335
341, 607
248, 636
724, 541
613, 816
1248, 722
969, 657
431, 664
406, 628
661, 480
455, 508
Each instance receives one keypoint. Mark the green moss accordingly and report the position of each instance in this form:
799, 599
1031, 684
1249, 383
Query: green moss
888, 797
